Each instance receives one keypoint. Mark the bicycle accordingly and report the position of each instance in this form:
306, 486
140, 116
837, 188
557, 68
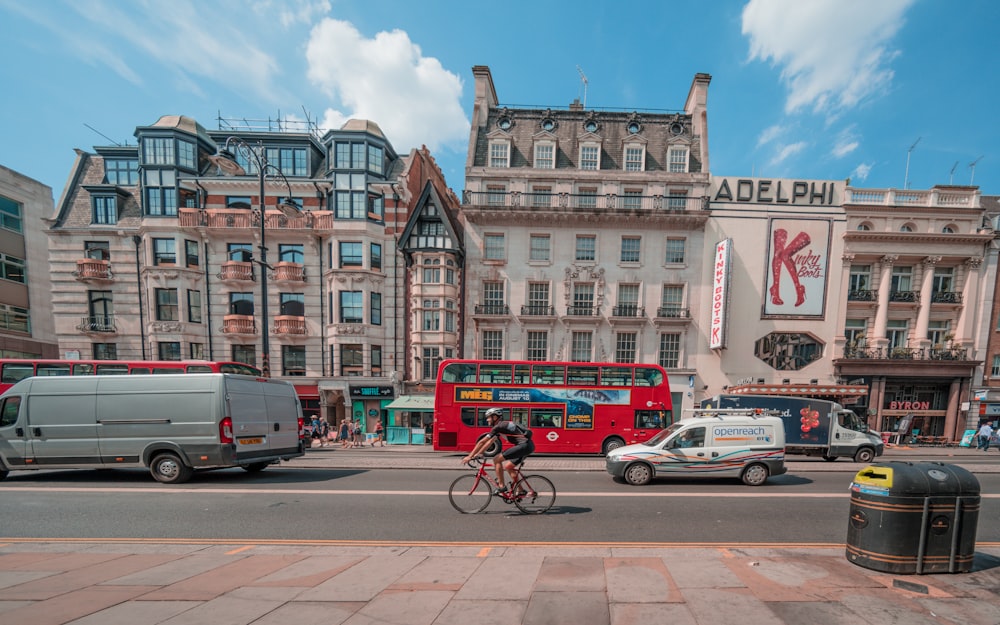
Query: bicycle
470, 494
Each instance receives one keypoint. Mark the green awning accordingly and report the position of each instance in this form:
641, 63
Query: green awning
413, 403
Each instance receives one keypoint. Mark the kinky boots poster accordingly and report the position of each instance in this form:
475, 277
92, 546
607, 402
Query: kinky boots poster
797, 268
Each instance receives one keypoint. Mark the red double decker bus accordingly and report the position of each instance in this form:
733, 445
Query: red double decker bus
14, 370
571, 407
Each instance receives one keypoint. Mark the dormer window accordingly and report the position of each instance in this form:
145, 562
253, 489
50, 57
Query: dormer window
505, 123
499, 154
545, 155
677, 158
548, 124
635, 157
590, 156
676, 129
590, 125
633, 128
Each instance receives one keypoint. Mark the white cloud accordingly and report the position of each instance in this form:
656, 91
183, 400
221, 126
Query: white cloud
860, 173
769, 134
386, 79
302, 11
787, 151
845, 143
832, 53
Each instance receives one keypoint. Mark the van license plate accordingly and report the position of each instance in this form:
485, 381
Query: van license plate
251, 441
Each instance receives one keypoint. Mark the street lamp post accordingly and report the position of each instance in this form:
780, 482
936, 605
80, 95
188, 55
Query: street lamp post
226, 160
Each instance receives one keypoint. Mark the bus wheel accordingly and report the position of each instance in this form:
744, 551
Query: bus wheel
638, 474
169, 469
611, 444
494, 447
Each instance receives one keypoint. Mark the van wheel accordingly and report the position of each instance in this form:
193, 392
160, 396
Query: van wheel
494, 447
865, 454
256, 467
170, 469
755, 475
612, 444
638, 474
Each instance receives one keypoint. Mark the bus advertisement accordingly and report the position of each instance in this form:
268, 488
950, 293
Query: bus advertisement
571, 407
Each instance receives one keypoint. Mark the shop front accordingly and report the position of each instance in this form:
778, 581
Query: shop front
368, 406
411, 419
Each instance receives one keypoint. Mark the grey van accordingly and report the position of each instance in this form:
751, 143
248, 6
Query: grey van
171, 424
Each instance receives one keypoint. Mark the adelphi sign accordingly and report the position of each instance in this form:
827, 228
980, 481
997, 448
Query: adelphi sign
777, 191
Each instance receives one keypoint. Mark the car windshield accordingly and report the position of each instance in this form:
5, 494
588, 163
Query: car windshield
662, 436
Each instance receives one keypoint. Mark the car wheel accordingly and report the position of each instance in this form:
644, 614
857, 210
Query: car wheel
755, 475
170, 469
638, 474
865, 454
612, 444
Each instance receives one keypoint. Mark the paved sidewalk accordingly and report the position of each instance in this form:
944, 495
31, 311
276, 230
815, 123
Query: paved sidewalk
233, 582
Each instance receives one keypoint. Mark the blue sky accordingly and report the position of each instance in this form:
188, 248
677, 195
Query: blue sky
824, 89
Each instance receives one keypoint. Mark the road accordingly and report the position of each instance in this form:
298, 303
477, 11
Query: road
405, 506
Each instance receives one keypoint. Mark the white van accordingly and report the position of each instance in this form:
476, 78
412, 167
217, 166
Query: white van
172, 424
739, 443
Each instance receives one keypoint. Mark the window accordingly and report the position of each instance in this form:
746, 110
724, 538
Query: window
590, 157
625, 343
995, 368
375, 256
101, 307
450, 316
449, 275
194, 306
161, 201
937, 331
496, 195
630, 249
582, 346
376, 309
293, 360
677, 160
541, 197
855, 331
350, 254
499, 154
492, 345
943, 280
538, 298
586, 247
164, 252
15, 318
376, 359
12, 268
632, 199
291, 253
896, 331
431, 274
351, 307
545, 156
901, 287
169, 350
105, 351
860, 279
431, 315
431, 362
493, 247
191, 253
291, 161
245, 354
587, 198
675, 251
158, 151
196, 351
186, 154
583, 299
292, 304
634, 157
375, 159
539, 247
493, 299
628, 300
352, 360
121, 171
166, 304
239, 252
670, 351
538, 345
241, 304
97, 250
672, 300
10, 214
677, 200
105, 209
349, 155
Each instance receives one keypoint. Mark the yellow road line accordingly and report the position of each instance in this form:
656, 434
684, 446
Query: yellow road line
240, 550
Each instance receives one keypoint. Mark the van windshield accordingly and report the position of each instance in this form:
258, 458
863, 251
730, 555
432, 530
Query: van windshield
663, 435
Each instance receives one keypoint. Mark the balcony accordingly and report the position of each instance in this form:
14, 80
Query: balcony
89, 269
862, 295
492, 309
290, 325
630, 311
581, 311
289, 272
673, 312
583, 202
241, 218
946, 297
907, 297
101, 324
907, 353
538, 310
239, 324
237, 271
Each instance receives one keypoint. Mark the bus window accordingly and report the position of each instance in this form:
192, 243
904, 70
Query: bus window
547, 374
459, 372
113, 369
84, 368
52, 369
649, 419
520, 416
546, 417
139, 371
494, 374
522, 374
616, 376
15, 372
645, 376
167, 370
203, 369
584, 376
235, 367
469, 417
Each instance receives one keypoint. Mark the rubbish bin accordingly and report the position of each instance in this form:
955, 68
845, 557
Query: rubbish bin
913, 517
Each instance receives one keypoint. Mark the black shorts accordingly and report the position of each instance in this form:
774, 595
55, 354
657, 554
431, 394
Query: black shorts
315, 434
519, 452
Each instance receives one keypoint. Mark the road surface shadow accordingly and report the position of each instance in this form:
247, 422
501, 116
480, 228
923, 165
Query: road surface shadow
141, 477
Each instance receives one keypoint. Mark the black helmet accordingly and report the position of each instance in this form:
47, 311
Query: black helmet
494, 412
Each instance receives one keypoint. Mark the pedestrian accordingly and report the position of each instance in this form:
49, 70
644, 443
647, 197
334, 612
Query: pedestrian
378, 435
985, 434
357, 434
316, 432
345, 433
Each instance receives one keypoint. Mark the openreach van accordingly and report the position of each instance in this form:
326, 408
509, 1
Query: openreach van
171, 424
745, 444
813, 427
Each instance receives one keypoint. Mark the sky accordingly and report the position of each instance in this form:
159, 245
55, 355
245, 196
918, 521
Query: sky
885, 93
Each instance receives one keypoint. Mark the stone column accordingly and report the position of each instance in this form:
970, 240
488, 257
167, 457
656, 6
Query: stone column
965, 332
926, 294
882, 313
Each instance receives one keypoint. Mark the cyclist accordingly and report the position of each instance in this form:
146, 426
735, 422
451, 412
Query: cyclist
517, 435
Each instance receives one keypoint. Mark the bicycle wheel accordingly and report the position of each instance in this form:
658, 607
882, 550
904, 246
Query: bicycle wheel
470, 494
540, 496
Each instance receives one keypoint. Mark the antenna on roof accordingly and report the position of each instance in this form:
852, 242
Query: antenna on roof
120, 145
906, 176
585, 82
951, 176
972, 166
